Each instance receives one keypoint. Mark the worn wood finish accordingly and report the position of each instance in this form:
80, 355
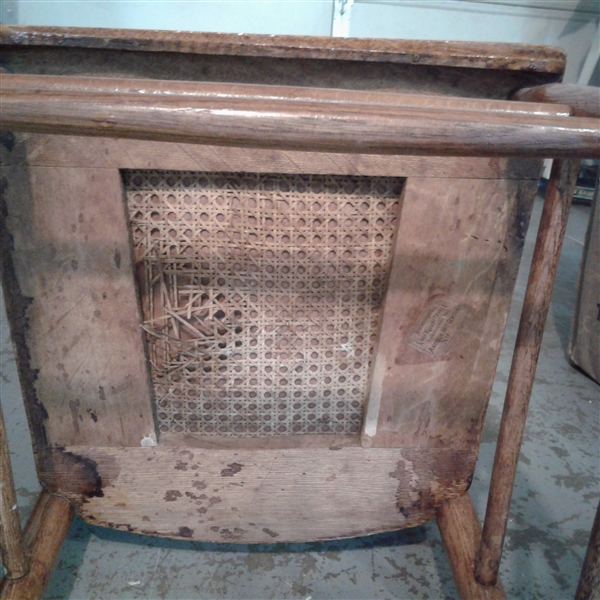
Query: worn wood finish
525, 356
449, 54
323, 73
113, 153
584, 100
73, 287
11, 542
144, 88
589, 582
260, 496
452, 277
461, 535
303, 125
44, 536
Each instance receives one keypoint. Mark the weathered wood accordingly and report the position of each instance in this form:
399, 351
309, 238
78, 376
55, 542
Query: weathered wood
259, 496
71, 258
144, 88
584, 100
299, 125
522, 373
452, 277
589, 582
11, 543
461, 535
44, 536
73, 151
450, 54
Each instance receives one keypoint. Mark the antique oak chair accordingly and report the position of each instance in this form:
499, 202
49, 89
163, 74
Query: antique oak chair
257, 286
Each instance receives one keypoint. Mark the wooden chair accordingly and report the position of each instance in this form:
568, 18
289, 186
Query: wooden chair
251, 306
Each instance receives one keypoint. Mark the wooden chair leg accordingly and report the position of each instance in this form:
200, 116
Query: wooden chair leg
461, 534
522, 373
589, 582
43, 538
11, 542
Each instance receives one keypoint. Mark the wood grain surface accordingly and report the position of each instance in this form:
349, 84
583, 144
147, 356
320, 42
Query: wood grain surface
262, 496
457, 252
14, 560
524, 362
70, 253
461, 534
584, 100
114, 153
44, 536
149, 88
450, 54
293, 124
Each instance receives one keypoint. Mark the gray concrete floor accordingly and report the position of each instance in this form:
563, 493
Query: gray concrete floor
556, 493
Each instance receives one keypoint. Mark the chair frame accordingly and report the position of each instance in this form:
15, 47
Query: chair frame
347, 123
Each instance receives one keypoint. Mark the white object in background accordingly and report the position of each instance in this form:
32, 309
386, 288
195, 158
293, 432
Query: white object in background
340, 26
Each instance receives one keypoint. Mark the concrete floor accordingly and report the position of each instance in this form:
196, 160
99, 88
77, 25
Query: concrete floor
557, 490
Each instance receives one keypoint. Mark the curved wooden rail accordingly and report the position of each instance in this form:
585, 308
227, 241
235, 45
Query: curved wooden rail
583, 100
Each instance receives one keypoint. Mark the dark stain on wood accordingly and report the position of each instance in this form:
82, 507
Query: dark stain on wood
199, 485
172, 495
117, 259
185, 532
270, 533
433, 485
232, 469
71, 475
181, 466
17, 306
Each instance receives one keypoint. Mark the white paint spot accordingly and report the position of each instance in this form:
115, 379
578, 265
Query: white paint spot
14, 507
134, 582
372, 417
149, 441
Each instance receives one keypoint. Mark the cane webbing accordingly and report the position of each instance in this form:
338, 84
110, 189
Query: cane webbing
261, 296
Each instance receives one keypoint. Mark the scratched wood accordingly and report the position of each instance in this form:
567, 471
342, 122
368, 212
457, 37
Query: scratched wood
457, 251
73, 299
260, 496
456, 54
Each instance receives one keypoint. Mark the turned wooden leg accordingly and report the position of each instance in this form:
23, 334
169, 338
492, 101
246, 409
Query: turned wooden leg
43, 538
11, 542
522, 373
461, 534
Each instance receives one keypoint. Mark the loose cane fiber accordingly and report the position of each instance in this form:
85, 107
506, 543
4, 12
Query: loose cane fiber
261, 296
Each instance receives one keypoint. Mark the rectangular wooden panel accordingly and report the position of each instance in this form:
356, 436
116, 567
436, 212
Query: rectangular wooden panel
71, 257
456, 257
